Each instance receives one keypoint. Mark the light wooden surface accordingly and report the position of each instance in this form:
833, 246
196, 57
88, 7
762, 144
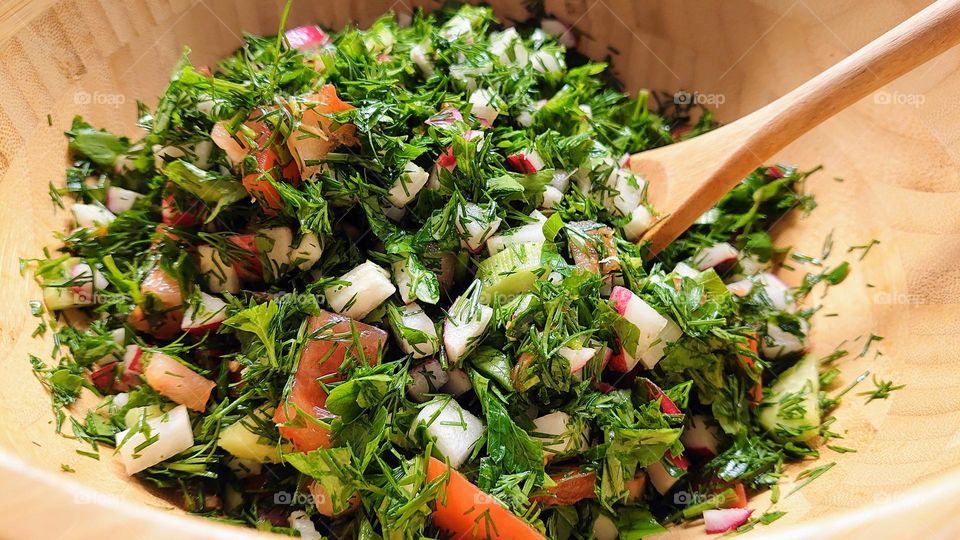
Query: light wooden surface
687, 179
896, 151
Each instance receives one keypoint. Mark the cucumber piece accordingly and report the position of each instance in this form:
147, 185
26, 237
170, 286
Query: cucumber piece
510, 272
792, 411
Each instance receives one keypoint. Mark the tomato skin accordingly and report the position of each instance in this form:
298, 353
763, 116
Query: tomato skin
571, 487
467, 512
322, 358
756, 392
258, 185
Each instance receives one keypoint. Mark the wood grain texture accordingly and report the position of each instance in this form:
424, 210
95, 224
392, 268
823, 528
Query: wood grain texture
687, 179
897, 152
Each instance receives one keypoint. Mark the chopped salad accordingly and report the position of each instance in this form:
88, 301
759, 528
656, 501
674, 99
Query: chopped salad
385, 283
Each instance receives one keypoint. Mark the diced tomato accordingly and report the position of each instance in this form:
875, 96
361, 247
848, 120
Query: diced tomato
161, 325
321, 359
570, 487
177, 382
170, 214
249, 268
467, 512
315, 135
258, 185
756, 392
162, 286
774, 172
741, 500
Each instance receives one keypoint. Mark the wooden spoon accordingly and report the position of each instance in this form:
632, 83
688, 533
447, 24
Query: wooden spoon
686, 179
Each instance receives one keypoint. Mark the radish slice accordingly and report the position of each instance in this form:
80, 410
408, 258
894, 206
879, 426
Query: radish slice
121, 200
428, 377
406, 187
558, 433
476, 224
685, 270
725, 519
622, 192
484, 108
700, 437
640, 221
604, 528
458, 382
551, 196
778, 342
655, 393
131, 359
507, 46
307, 37
455, 429
647, 321
301, 522
777, 291
464, 327
547, 62
204, 316
446, 117
279, 240
421, 57
218, 275
527, 162
368, 285
87, 282
561, 31
91, 215
670, 333
740, 288
715, 255
171, 434
577, 357
413, 318
661, 479
307, 252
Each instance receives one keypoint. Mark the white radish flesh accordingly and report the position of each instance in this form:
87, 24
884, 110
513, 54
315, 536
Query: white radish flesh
685, 270
556, 433
778, 342
483, 106
368, 285
307, 252
464, 328
171, 434
91, 215
280, 241
725, 519
660, 478
218, 275
475, 225
458, 382
715, 255
777, 291
420, 57
121, 200
406, 187
205, 315
670, 333
455, 429
577, 357
428, 377
525, 234
412, 317
648, 322
640, 221
700, 437
604, 528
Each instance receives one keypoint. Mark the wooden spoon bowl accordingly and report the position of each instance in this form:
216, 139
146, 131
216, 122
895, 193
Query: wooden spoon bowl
896, 152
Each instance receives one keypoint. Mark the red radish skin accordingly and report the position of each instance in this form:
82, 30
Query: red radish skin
447, 160
132, 359
177, 382
212, 311
305, 38
679, 462
655, 393
249, 268
521, 163
445, 117
171, 215
725, 520
322, 358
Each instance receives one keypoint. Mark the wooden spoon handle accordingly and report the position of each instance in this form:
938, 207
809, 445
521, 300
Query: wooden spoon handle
920, 38
698, 172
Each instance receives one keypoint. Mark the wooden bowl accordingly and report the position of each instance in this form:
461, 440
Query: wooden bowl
890, 173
